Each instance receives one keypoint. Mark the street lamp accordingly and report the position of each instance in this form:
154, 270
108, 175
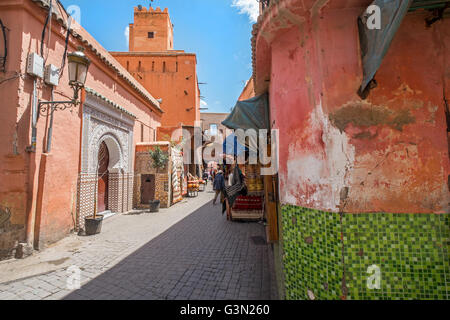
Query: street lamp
78, 69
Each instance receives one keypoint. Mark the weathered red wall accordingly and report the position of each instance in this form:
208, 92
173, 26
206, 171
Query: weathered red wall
176, 85
248, 92
391, 150
174, 134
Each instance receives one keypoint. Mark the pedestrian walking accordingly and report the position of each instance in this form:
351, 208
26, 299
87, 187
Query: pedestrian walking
206, 177
219, 186
230, 179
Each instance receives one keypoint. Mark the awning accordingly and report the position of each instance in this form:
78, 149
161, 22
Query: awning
375, 43
250, 114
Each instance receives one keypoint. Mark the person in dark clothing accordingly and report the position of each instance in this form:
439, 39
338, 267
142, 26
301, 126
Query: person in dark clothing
205, 177
219, 186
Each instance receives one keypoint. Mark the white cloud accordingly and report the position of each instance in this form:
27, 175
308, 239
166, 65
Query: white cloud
203, 104
248, 7
127, 34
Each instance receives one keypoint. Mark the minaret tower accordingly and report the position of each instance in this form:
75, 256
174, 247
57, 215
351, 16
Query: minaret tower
152, 30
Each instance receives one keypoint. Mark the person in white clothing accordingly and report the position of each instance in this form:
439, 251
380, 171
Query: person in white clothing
230, 179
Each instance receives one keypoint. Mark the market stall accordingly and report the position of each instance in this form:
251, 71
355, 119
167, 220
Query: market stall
251, 205
202, 185
260, 200
193, 186
177, 175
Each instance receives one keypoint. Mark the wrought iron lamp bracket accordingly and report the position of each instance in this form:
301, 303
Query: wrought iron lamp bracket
48, 107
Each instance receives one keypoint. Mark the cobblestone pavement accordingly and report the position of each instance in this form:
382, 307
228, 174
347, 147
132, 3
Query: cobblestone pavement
188, 251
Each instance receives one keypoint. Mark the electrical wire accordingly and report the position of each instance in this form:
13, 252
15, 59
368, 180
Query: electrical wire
69, 24
63, 62
61, 6
49, 30
47, 21
3, 59
43, 36
17, 75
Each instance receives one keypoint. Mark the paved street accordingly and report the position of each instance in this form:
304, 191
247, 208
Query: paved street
188, 251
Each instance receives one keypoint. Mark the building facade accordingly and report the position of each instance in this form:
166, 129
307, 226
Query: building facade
171, 75
50, 163
212, 123
152, 183
249, 90
364, 183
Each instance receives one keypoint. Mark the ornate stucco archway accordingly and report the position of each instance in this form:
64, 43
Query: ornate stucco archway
117, 162
104, 122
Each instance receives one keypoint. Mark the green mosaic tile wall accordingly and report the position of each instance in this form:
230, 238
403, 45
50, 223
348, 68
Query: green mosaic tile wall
411, 251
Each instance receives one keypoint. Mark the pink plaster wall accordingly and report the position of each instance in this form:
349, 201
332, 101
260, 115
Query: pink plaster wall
328, 138
44, 186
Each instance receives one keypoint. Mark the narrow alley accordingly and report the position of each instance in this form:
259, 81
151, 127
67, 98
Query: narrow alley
321, 128
189, 251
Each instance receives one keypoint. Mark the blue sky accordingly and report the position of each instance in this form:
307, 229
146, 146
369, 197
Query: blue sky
218, 31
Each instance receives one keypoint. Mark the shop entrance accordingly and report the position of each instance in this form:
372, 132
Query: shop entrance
147, 188
103, 177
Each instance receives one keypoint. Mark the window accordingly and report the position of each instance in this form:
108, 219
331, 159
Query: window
140, 64
177, 65
128, 65
164, 66
213, 129
151, 35
153, 65
142, 132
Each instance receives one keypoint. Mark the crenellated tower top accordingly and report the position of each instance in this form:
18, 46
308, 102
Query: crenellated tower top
152, 30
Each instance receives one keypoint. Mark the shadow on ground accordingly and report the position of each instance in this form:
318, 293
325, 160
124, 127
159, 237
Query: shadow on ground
204, 256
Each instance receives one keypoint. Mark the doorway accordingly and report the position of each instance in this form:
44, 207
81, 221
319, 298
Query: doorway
147, 188
103, 178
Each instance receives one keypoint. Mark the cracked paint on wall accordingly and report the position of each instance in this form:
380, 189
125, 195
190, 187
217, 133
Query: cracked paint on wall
391, 150
319, 178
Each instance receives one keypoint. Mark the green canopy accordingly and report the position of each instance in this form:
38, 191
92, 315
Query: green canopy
375, 43
250, 114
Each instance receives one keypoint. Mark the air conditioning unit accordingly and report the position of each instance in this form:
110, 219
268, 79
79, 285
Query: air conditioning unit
35, 65
51, 76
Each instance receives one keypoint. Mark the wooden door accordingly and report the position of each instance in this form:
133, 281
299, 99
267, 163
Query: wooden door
103, 177
147, 188
271, 202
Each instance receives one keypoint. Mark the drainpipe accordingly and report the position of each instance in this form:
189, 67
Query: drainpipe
34, 117
25, 249
50, 129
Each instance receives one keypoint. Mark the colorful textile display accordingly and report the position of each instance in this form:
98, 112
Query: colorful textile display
177, 174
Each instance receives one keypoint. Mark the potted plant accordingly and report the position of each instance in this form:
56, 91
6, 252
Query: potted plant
93, 224
159, 161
